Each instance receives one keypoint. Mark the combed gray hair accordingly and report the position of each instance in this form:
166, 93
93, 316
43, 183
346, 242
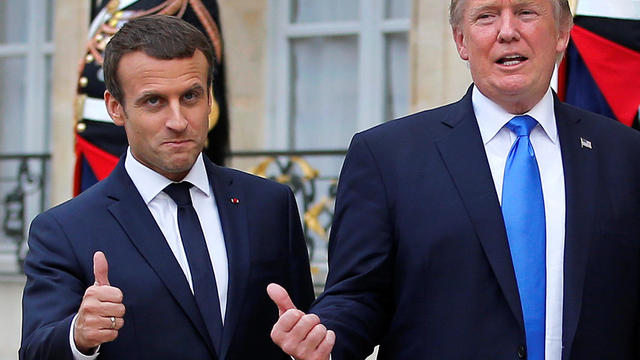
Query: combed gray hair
562, 12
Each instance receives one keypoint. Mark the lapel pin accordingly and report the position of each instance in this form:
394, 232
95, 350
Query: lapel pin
235, 201
584, 143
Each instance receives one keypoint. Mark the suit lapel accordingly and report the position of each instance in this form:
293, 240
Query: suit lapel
580, 174
136, 220
232, 207
463, 152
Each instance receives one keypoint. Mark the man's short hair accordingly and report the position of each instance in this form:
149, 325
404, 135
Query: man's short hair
159, 36
562, 12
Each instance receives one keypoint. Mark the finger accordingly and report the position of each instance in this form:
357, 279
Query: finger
325, 347
100, 269
280, 297
111, 309
105, 335
286, 322
304, 326
314, 337
107, 324
104, 293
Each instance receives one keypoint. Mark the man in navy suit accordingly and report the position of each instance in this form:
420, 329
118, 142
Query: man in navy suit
427, 256
172, 253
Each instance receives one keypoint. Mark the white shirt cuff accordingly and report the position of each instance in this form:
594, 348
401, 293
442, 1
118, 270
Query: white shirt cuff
77, 355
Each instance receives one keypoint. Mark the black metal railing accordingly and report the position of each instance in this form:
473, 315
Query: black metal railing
23, 194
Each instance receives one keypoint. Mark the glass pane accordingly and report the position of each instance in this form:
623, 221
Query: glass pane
13, 21
303, 11
324, 93
12, 93
396, 75
49, 22
397, 9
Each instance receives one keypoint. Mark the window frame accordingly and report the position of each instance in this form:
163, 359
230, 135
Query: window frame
36, 50
371, 30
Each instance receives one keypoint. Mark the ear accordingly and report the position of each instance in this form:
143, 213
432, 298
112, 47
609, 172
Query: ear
114, 108
564, 34
210, 97
458, 37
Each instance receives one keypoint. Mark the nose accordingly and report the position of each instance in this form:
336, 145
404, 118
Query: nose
176, 120
508, 30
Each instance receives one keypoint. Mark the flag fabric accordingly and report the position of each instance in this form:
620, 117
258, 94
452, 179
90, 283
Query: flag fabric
601, 68
99, 143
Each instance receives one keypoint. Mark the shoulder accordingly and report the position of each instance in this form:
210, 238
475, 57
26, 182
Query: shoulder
92, 201
604, 129
248, 182
427, 125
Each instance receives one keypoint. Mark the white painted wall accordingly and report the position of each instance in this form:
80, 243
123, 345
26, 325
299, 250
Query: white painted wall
10, 315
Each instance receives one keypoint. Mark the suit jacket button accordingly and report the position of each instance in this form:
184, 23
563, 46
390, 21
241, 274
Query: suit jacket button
522, 352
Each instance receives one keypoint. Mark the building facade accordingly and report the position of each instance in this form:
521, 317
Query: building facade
302, 77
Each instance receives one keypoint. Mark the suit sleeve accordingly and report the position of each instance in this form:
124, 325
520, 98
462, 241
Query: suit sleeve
301, 287
356, 303
52, 294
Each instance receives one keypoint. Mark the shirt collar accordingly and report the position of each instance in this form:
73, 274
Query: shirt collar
149, 183
491, 117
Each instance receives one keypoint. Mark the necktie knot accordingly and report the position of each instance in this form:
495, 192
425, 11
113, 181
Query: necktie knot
179, 192
522, 125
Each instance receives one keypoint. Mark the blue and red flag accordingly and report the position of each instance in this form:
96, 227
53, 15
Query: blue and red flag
601, 69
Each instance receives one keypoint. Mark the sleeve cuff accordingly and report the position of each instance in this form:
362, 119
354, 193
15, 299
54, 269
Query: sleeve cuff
77, 355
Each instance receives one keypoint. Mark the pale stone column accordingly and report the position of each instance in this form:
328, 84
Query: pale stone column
71, 24
438, 75
244, 30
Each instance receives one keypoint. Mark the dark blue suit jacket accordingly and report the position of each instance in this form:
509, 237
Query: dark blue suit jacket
264, 244
419, 259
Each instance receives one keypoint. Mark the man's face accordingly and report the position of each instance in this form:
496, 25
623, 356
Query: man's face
165, 110
512, 47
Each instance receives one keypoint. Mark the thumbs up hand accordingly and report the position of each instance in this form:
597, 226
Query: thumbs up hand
101, 312
298, 334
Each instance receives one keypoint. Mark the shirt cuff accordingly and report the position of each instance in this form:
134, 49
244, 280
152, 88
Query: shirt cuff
77, 355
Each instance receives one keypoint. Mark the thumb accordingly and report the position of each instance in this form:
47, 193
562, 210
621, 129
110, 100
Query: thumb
280, 297
100, 269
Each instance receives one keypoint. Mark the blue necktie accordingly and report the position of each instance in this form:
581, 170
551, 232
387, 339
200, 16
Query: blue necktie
523, 212
195, 247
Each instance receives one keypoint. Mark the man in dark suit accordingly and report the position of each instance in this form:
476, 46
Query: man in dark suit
503, 226
173, 253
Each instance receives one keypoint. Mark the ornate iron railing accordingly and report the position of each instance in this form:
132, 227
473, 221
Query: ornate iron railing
23, 194
313, 177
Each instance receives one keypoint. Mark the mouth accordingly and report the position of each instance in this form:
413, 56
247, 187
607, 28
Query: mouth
512, 60
177, 142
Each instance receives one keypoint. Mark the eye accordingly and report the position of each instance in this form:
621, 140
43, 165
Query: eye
484, 18
191, 96
153, 100
527, 12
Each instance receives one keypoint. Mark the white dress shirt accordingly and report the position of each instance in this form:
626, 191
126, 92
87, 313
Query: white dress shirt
150, 185
497, 141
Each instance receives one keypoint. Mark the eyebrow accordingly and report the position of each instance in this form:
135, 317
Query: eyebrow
195, 87
147, 94
489, 5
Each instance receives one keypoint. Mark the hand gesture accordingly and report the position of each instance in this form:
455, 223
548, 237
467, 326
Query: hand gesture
101, 312
298, 334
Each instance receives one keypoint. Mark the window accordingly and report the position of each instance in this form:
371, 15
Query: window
336, 67
26, 47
